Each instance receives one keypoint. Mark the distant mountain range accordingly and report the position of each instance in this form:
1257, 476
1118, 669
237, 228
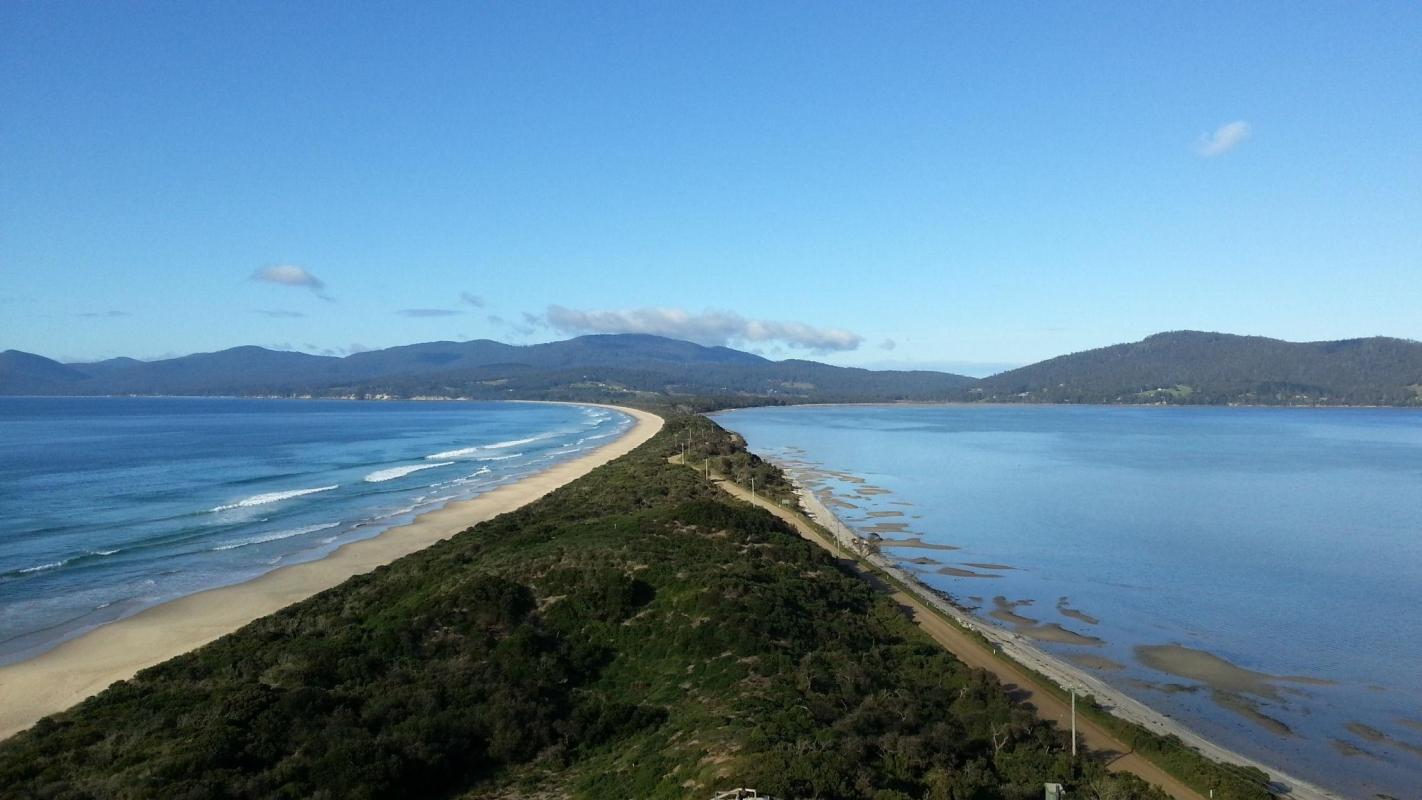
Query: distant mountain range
610, 365
1183, 367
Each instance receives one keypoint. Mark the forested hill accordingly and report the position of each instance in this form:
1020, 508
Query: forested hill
1191, 367
613, 366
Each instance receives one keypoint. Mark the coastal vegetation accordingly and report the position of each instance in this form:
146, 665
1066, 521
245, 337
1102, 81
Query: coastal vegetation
635, 633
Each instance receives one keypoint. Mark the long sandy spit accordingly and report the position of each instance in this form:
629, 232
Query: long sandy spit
82, 667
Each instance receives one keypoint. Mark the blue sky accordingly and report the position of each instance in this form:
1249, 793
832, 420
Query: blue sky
908, 183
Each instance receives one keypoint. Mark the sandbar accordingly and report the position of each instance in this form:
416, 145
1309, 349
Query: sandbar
1249, 709
84, 666
1093, 661
1064, 606
1349, 749
1215, 672
1006, 611
915, 542
965, 573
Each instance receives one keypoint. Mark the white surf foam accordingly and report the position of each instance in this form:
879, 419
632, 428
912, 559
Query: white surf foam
382, 475
515, 442
44, 567
499, 458
463, 452
278, 535
272, 497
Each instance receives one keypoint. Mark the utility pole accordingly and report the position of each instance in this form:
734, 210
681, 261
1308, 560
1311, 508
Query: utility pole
1073, 723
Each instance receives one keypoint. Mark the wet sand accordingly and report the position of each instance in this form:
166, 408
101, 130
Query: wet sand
1052, 632
1374, 735
1064, 606
1349, 749
81, 667
1093, 661
1215, 672
1249, 709
1006, 611
915, 543
965, 573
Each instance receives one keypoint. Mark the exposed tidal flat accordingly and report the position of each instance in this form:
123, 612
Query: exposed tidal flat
1251, 573
147, 508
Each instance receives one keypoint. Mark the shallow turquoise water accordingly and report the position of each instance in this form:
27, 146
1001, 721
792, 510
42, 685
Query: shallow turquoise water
1287, 541
111, 505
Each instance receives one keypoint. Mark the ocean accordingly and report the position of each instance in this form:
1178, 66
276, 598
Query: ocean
111, 505
1254, 573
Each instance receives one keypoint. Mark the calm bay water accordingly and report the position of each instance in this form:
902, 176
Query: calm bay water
1284, 541
111, 505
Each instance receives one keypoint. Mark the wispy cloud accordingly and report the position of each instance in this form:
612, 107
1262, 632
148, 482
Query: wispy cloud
337, 350
707, 327
429, 312
888, 344
105, 314
1224, 139
292, 275
278, 313
471, 299
531, 321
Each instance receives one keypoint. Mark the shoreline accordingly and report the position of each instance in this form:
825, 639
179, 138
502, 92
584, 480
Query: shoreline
1019, 649
87, 664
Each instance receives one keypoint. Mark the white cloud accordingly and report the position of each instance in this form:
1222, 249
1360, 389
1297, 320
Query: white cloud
428, 312
292, 275
471, 299
1224, 139
707, 327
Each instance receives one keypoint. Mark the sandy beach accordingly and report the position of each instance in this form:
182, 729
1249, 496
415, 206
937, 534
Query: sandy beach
79, 668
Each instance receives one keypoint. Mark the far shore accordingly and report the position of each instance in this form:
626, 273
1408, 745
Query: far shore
84, 666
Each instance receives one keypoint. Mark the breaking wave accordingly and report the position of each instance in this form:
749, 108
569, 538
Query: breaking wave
382, 475
278, 535
463, 452
515, 442
272, 497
